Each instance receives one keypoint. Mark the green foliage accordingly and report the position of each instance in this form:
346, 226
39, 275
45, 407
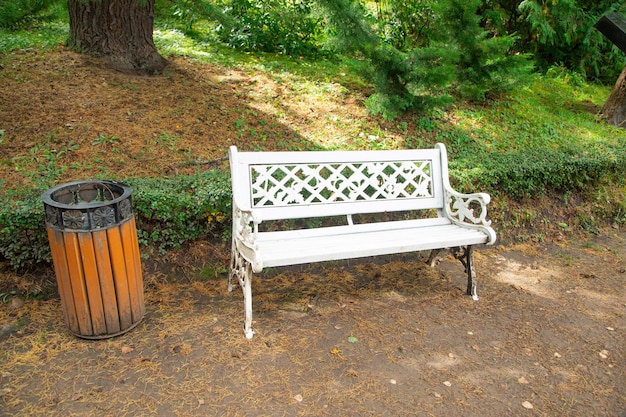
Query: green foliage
562, 33
23, 238
17, 13
402, 80
24, 24
485, 63
407, 24
283, 26
408, 74
168, 211
533, 171
190, 12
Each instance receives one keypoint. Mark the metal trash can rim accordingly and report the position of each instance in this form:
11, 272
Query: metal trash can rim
87, 205
77, 186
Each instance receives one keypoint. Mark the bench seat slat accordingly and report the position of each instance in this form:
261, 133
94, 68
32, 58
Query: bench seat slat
351, 229
338, 243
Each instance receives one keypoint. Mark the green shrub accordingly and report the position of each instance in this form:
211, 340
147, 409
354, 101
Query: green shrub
533, 171
286, 27
171, 211
14, 13
23, 238
168, 211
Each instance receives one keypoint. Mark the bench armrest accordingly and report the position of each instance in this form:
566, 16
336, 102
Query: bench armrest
245, 231
469, 210
466, 210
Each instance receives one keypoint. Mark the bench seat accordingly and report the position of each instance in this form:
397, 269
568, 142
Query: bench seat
294, 247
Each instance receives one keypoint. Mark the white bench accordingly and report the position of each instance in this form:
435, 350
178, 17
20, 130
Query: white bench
270, 186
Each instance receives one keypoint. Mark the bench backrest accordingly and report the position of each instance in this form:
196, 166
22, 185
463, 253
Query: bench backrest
288, 185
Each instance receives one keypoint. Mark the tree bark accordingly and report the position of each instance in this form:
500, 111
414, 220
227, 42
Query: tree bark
614, 109
119, 31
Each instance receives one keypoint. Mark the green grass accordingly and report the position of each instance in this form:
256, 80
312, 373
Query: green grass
47, 36
551, 112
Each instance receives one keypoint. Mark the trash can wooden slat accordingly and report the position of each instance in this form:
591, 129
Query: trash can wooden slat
95, 252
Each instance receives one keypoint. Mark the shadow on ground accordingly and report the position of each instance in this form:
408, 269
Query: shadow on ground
386, 336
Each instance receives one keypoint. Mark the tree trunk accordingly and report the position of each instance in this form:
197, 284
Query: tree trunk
119, 31
614, 109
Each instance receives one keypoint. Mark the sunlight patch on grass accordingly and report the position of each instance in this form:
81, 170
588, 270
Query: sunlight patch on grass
174, 42
48, 37
549, 113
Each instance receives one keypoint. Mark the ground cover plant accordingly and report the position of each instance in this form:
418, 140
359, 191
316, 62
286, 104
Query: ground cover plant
372, 337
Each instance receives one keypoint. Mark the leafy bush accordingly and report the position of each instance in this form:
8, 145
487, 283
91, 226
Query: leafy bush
23, 238
533, 171
562, 33
287, 27
14, 13
168, 211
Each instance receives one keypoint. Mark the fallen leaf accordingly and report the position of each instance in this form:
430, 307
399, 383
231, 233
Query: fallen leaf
298, 398
527, 405
604, 354
447, 383
522, 380
352, 339
127, 349
335, 351
16, 303
393, 381
557, 355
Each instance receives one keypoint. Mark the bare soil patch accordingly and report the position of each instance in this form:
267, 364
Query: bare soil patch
373, 337
376, 337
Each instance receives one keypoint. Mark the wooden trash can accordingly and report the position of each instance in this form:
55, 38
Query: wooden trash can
95, 252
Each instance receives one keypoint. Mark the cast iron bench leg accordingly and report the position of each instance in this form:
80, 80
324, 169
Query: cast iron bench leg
465, 254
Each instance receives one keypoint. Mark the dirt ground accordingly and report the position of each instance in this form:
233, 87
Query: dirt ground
375, 337
379, 337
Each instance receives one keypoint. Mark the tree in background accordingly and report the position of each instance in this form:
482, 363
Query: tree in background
119, 31
562, 33
283, 26
487, 63
614, 109
415, 78
421, 64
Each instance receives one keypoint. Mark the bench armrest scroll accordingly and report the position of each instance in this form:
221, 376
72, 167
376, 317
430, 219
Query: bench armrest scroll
245, 230
466, 210
469, 210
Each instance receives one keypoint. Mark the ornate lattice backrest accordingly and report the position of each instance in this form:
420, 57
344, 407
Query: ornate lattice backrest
329, 183
287, 184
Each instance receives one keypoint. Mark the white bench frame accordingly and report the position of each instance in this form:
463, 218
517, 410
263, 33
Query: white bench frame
270, 186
